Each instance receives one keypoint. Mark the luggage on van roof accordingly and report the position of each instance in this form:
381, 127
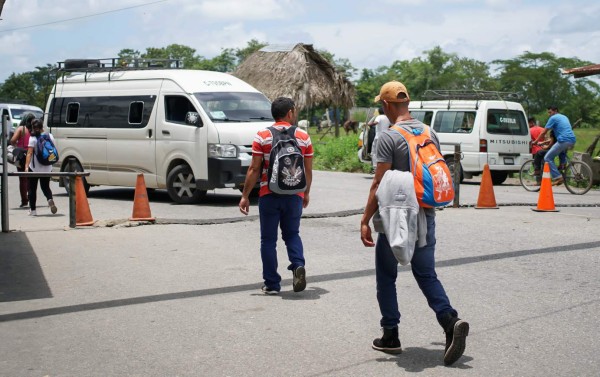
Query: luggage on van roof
117, 64
442, 94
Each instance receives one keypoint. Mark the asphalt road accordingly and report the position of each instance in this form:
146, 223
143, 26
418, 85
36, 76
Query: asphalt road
181, 297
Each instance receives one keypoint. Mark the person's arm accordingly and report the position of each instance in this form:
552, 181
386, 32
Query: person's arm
16, 136
372, 205
541, 136
253, 174
28, 158
308, 167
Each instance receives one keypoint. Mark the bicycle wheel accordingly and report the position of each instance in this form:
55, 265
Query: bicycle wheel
578, 177
529, 180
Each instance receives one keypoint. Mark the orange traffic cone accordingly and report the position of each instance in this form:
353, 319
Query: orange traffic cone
546, 198
141, 206
486, 198
83, 216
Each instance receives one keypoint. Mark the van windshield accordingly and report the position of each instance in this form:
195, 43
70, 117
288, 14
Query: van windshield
17, 114
235, 107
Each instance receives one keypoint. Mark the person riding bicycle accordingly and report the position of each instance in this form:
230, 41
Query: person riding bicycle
565, 139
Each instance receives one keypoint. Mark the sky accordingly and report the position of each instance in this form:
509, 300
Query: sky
369, 33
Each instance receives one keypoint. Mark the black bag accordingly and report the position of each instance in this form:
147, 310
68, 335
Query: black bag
286, 163
16, 156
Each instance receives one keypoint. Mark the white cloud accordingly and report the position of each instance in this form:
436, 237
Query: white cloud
229, 10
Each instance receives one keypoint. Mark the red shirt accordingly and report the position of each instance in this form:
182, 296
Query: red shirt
263, 142
535, 131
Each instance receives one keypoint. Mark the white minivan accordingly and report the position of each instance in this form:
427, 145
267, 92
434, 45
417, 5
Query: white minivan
187, 131
15, 112
490, 128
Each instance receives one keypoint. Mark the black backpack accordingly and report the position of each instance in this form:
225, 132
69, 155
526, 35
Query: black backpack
286, 174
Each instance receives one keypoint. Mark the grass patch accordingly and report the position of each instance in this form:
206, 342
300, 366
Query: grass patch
585, 136
337, 154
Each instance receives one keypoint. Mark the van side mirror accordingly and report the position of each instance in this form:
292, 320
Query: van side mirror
193, 118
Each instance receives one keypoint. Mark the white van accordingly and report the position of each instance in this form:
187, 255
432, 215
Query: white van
187, 131
15, 112
490, 128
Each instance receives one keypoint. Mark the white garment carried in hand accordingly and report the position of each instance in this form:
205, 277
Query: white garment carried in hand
398, 213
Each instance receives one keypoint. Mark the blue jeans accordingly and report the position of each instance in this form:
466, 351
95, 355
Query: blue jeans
557, 149
285, 211
423, 269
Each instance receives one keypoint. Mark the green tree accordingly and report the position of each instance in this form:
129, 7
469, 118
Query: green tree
252, 46
537, 78
435, 70
19, 86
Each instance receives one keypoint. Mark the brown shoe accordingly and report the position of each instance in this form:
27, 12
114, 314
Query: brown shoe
558, 181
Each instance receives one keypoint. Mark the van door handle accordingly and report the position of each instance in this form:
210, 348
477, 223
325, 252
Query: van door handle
166, 133
149, 134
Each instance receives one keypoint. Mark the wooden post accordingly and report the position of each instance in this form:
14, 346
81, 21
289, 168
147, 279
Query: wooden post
456, 178
72, 201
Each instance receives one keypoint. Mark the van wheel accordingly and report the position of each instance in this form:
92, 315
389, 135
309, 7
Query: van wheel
451, 164
76, 168
498, 177
181, 185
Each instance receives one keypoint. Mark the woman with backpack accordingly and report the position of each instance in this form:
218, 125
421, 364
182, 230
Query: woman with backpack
20, 139
35, 164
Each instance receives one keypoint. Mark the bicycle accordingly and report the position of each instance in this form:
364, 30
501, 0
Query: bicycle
577, 176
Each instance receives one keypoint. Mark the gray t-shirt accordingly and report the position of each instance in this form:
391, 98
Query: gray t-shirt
392, 148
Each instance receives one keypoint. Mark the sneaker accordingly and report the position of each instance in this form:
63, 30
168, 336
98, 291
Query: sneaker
389, 342
32, 212
456, 338
299, 282
557, 181
23, 205
53, 208
268, 291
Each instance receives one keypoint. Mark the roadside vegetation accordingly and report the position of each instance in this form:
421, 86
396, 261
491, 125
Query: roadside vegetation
337, 154
341, 154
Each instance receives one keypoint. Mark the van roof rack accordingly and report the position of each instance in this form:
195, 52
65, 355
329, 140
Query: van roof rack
477, 95
116, 64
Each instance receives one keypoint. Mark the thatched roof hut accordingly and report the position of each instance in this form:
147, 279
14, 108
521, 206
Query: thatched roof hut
299, 72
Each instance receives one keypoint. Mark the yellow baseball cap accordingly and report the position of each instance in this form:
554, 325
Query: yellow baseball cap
390, 90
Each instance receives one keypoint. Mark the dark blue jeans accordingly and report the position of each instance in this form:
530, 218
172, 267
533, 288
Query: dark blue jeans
285, 211
423, 269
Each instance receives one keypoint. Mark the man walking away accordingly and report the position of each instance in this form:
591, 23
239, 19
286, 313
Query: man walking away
393, 153
281, 208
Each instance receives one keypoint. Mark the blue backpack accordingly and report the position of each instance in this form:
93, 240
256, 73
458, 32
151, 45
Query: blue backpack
45, 150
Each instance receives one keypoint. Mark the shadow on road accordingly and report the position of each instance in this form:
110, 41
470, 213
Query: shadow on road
417, 359
21, 276
38, 285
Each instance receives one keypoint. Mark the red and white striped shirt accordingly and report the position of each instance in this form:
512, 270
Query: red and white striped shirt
263, 142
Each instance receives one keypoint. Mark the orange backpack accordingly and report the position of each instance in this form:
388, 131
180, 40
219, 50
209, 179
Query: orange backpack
433, 181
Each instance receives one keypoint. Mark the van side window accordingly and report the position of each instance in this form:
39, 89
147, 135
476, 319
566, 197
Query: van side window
136, 112
423, 116
72, 113
176, 107
454, 121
